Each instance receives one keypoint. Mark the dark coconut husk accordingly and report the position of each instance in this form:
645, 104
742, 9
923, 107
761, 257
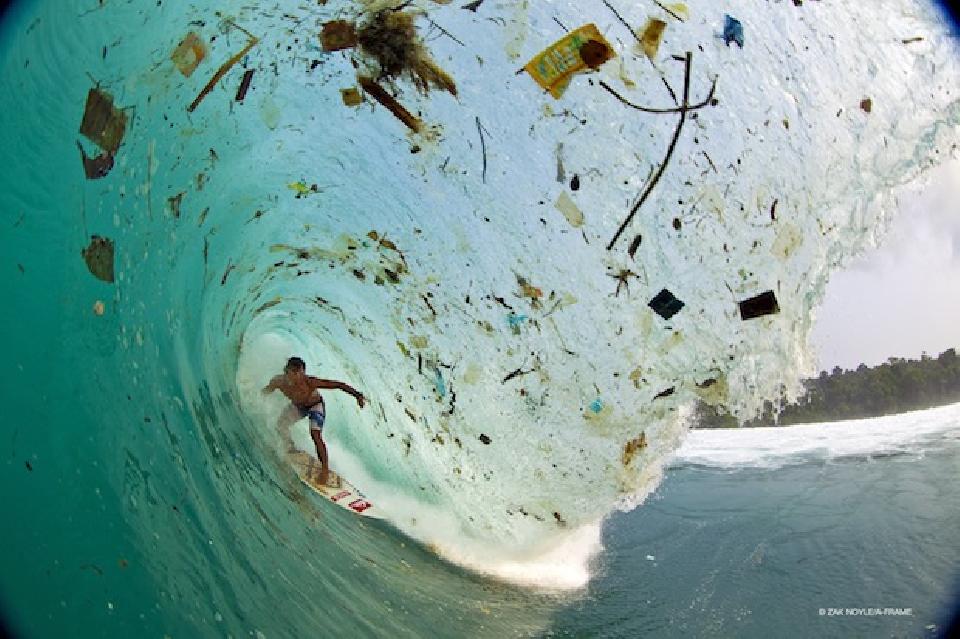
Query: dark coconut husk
390, 37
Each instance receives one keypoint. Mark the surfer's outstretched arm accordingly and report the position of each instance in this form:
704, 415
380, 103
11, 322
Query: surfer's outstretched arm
335, 385
269, 388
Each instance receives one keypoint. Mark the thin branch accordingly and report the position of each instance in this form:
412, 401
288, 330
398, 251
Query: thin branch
666, 159
516, 373
623, 22
483, 147
446, 33
659, 4
699, 105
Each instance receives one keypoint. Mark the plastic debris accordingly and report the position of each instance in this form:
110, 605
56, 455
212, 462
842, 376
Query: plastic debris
528, 290
99, 308
302, 189
570, 211
337, 35
244, 85
763, 304
103, 123
732, 31
632, 447
222, 71
485, 439
99, 258
351, 97
514, 321
97, 167
439, 384
584, 48
665, 304
188, 54
866, 104
652, 36
596, 405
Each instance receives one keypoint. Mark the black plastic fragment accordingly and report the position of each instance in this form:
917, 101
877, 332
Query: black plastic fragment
763, 304
484, 438
665, 393
244, 85
665, 304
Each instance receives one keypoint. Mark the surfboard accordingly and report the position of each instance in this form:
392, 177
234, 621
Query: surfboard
337, 489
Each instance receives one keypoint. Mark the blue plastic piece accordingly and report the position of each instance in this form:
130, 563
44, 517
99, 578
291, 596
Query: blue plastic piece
732, 31
516, 320
596, 405
441, 387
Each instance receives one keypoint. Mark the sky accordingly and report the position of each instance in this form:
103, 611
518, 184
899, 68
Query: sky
902, 298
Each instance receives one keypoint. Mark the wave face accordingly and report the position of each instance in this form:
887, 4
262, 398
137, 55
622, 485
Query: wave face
468, 278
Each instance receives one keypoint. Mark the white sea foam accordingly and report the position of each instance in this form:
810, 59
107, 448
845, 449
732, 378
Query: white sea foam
772, 447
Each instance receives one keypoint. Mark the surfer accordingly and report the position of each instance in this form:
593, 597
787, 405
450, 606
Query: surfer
302, 391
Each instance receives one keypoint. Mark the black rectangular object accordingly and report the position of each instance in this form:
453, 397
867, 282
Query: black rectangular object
665, 304
244, 85
763, 304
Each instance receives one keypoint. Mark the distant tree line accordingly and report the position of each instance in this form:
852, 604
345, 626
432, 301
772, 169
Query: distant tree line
896, 386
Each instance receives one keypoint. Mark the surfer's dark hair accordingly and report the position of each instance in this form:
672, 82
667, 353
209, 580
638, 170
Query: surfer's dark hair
295, 363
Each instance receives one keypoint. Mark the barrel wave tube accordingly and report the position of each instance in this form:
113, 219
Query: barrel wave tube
532, 234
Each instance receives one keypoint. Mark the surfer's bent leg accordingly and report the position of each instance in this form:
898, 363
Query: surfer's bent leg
290, 415
317, 418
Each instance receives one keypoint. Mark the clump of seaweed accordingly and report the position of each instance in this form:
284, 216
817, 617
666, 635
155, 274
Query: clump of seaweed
390, 37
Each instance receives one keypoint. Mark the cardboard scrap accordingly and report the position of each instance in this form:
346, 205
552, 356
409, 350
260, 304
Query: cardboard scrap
103, 124
99, 258
188, 54
337, 35
584, 48
652, 36
351, 97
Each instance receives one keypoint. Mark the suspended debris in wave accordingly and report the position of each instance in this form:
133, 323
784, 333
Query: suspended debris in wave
579, 50
665, 304
763, 304
188, 54
99, 258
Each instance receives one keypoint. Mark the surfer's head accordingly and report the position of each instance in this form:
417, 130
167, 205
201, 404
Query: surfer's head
295, 365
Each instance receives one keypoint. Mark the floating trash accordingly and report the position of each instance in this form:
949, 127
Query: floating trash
337, 35
763, 304
188, 54
732, 31
584, 48
665, 304
99, 258
103, 123
652, 36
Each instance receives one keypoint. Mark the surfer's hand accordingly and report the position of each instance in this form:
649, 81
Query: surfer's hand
360, 400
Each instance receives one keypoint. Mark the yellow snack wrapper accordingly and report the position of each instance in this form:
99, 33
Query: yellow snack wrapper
584, 48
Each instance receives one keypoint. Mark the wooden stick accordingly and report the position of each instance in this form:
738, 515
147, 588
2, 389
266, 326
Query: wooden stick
380, 95
221, 72
666, 159
692, 107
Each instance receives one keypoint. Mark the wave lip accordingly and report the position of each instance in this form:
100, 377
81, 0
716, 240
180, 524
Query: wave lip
775, 447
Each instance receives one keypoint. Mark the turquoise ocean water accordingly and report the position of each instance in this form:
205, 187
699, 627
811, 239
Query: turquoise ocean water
144, 487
